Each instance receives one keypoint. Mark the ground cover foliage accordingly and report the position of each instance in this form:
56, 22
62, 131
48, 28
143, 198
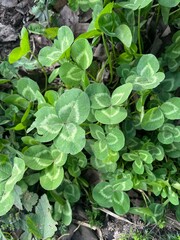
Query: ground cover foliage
118, 117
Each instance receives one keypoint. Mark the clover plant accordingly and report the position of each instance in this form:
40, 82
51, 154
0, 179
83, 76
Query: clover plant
125, 127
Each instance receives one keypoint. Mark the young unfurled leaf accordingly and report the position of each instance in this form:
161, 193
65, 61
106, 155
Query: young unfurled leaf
23, 49
173, 197
53, 75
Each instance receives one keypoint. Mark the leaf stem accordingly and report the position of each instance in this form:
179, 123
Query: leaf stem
57, 197
177, 10
158, 15
109, 58
139, 31
43, 70
113, 48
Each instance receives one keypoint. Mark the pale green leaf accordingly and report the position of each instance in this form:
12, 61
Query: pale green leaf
28, 140
29, 199
6, 202
43, 218
121, 202
71, 74
171, 108
108, 23
145, 156
169, 3
16, 175
67, 213
73, 106
138, 166
81, 53
47, 123
72, 193
59, 157
111, 158
27, 88
5, 169
102, 194
115, 139
51, 177
97, 132
111, 115
147, 66
153, 119
123, 184
49, 55
24, 48
99, 95
173, 197
121, 94
100, 149
71, 139
123, 33
37, 157
53, 75
65, 38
